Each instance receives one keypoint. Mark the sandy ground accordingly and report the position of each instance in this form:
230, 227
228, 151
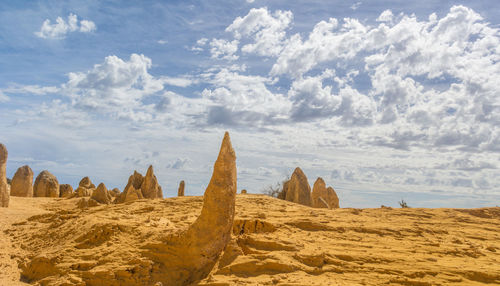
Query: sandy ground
274, 243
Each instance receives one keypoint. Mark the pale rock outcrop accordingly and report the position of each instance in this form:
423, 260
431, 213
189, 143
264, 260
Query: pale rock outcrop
4, 187
297, 189
180, 191
85, 188
22, 182
46, 185
65, 191
150, 188
101, 195
189, 256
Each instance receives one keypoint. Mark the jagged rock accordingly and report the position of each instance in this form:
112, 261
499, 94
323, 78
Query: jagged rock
188, 257
150, 188
282, 194
86, 183
84, 203
244, 191
135, 180
180, 191
297, 189
114, 192
334, 199
4, 187
101, 195
46, 185
22, 182
132, 194
65, 191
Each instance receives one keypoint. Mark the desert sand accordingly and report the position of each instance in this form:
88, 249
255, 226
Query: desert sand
274, 242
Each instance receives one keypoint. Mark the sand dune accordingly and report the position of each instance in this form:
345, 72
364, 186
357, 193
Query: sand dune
274, 242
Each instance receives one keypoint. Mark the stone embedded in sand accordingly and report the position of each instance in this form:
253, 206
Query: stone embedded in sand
65, 190
101, 195
243, 191
4, 187
150, 188
22, 182
188, 257
298, 189
84, 203
180, 191
46, 185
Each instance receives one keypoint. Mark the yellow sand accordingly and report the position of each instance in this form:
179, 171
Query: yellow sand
274, 243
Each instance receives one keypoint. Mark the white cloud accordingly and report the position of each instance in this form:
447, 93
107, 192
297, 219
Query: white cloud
265, 29
356, 5
3, 97
222, 49
30, 89
60, 28
385, 16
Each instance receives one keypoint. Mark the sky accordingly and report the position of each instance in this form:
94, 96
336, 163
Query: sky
385, 100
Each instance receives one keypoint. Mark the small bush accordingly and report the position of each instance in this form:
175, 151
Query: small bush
403, 204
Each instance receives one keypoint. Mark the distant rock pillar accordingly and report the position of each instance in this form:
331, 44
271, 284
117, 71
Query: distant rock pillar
4, 190
180, 191
22, 182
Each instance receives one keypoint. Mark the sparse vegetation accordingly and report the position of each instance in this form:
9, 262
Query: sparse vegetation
274, 190
403, 204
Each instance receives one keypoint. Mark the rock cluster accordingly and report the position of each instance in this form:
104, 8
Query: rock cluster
297, 190
4, 187
46, 185
114, 192
85, 188
139, 187
22, 182
188, 257
65, 191
180, 191
323, 197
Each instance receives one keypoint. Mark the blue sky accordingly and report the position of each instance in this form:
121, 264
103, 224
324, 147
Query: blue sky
385, 100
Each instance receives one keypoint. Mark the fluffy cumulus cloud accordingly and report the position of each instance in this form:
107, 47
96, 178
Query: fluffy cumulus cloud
61, 27
380, 87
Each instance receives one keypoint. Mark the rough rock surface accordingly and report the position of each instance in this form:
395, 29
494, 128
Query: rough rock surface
297, 189
188, 257
114, 192
85, 188
244, 191
84, 203
323, 197
65, 190
22, 182
101, 195
46, 185
150, 188
135, 180
180, 191
334, 199
4, 187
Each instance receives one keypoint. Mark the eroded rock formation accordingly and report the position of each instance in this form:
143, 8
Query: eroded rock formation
244, 191
180, 191
150, 188
46, 185
101, 195
114, 192
334, 199
65, 190
4, 187
22, 182
297, 189
85, 188
189, 256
